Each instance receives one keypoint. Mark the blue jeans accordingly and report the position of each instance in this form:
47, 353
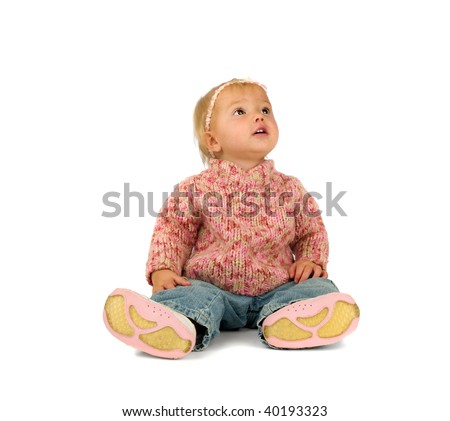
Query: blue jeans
216, 309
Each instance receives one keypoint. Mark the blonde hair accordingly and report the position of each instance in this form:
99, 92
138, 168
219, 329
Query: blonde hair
203, 112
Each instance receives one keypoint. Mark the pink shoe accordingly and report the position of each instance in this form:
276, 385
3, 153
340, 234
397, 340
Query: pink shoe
147, 325
314, 322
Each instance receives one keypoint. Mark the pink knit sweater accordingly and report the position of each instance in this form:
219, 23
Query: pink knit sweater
239, 230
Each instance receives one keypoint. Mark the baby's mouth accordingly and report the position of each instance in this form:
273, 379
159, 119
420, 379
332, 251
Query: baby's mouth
260, 131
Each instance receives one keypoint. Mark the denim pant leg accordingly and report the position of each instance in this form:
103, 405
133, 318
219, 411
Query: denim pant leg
290, 293
207, 305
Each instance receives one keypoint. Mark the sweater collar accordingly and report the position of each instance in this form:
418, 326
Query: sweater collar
230, 174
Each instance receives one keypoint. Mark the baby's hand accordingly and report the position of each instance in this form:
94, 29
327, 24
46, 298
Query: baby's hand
166, 279
301, 270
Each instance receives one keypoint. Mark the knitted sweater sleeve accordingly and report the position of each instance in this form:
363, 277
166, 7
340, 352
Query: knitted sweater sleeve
311, 239
175, 232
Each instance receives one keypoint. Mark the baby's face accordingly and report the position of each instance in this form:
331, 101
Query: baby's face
243, 123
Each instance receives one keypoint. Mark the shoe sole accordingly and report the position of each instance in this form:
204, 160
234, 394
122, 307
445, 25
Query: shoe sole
313, 322
147, 325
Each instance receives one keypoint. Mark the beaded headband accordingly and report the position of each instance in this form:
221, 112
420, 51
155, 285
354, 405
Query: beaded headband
219, 90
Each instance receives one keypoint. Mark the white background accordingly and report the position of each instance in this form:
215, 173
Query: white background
95, 94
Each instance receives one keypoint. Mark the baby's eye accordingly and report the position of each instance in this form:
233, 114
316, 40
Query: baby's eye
239, 111
265, 110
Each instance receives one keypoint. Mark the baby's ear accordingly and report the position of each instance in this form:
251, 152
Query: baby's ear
211, 142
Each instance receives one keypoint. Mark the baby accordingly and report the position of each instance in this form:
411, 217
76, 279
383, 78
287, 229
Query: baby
238, 245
